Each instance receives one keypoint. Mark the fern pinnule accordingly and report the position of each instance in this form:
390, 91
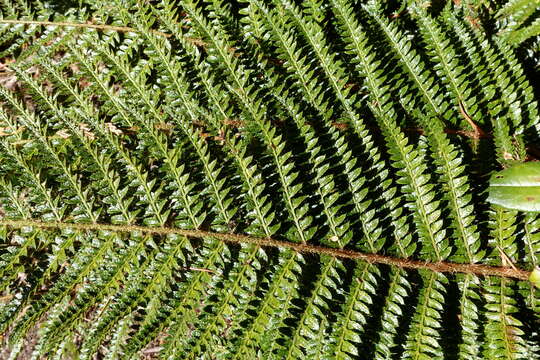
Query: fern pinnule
177, 308
118, 339
75, 193
271, 310
105, 281
393, 312
355, 184
152, 278
524, 97
531, 255
346, 336
7, 9
469, 303
504, 73
408, 159
457, 195
55, 38
12, 260
53, 316
232, 302
504, 240
514, 19
446, 65
86, 260
147, 194
17, 38
254, 109
422, 338
314, 313
107, 178
49, 208
258, 202
521, 35
504, 335
531, 239
517, 7
191, 206
363, 58
494, 105
170, 71
16, 205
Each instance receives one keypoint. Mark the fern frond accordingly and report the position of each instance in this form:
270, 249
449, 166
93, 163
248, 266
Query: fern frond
279, 180
254, 109
84, 211
422, 339
469, 316
355, 184
503, 334
346, 339
515, 18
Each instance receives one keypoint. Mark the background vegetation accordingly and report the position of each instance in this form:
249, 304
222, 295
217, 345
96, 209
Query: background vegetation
266, 179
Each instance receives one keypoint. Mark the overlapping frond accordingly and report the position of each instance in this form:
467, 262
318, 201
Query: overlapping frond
519, 21
155, 158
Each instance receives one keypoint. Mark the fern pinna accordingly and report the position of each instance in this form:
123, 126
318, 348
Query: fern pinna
266, 179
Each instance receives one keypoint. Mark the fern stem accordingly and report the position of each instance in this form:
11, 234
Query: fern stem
439, 266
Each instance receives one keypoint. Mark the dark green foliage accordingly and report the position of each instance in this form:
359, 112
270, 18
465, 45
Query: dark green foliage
349, 125
519, 20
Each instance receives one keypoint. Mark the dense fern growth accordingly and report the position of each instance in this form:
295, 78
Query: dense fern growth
266, 179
